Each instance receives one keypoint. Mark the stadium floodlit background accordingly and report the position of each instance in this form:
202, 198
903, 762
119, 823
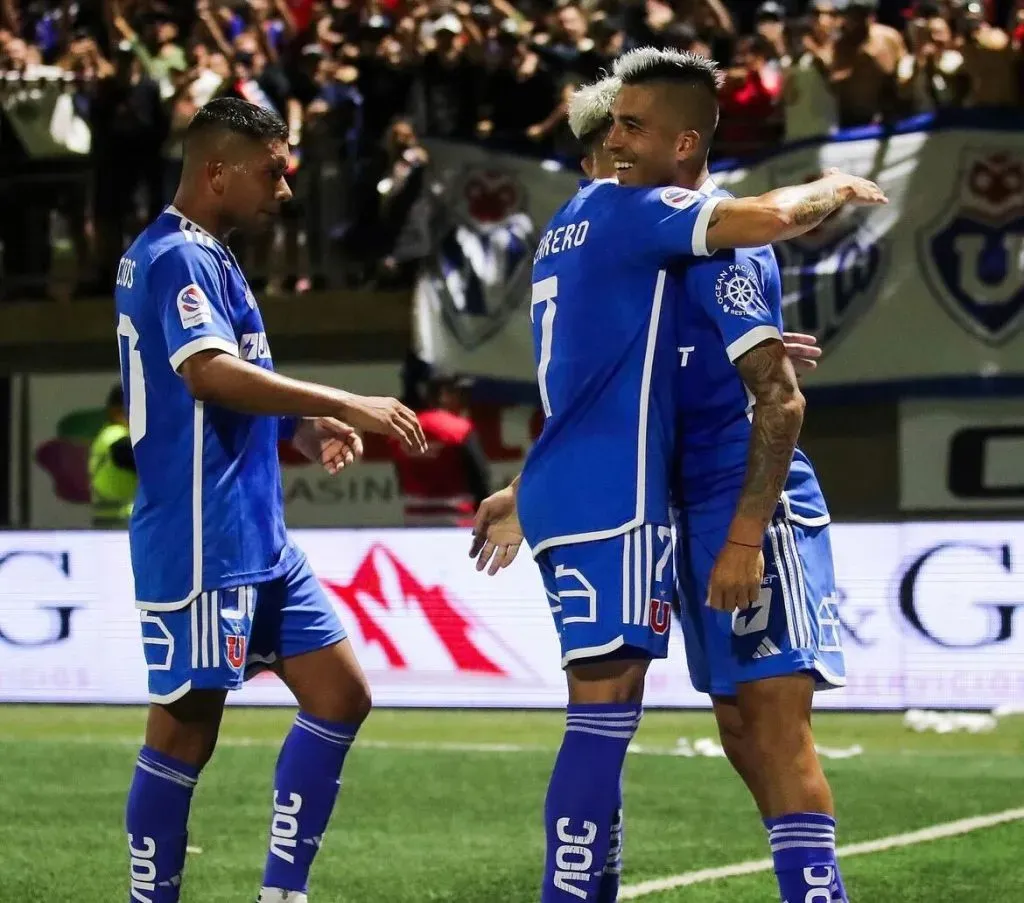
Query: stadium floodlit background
424, 134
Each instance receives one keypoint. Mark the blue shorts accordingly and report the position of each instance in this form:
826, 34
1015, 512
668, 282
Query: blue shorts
223, 637
792, 628
612, 594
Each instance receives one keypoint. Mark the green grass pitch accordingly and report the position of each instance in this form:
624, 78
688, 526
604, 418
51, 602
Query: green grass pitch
425, 817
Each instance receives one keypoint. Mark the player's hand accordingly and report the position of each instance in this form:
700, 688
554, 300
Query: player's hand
861, 191
497, 535
387, 416
735, 581
330, 441
802, 350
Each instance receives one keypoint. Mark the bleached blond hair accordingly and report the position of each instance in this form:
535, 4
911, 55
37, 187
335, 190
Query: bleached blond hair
590, 107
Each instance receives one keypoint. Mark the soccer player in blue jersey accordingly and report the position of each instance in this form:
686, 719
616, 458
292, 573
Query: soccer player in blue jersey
757, 588
220, 588
593, 497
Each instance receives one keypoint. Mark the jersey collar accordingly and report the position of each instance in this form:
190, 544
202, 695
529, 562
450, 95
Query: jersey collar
188, 225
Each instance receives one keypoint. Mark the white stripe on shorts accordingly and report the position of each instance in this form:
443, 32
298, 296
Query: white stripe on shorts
792, 625
649, 573
215, 629
194, 615
627, 614
800, 582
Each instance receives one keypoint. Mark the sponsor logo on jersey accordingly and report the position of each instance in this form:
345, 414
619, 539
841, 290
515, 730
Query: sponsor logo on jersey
680, 198
971, 253
193, 306
738, 292
253, 347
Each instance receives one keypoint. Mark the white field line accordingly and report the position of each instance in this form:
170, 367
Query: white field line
754, 866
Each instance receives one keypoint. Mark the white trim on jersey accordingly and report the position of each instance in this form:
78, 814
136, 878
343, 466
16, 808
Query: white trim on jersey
197, 499
745, 342
821, 520
641, 457
192, 231
700, 228
206, 343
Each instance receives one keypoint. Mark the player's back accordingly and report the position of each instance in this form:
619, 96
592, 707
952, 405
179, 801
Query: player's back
209, 510
724, 307
604, 355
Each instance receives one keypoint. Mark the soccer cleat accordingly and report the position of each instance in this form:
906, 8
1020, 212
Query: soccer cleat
276, 895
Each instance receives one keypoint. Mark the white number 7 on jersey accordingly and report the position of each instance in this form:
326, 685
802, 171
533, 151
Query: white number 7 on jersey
545, 292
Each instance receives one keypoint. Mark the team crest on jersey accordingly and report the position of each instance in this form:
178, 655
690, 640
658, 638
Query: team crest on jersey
234, 650
193, 307
481, 271
830, 275
971, 254
680, 198
738, 292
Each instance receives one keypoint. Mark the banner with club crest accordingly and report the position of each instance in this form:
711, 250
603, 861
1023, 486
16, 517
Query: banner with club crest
923, 295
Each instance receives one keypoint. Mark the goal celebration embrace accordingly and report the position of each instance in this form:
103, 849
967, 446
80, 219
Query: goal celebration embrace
666, 484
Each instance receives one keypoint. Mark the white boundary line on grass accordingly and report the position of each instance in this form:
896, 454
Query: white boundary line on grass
754, 866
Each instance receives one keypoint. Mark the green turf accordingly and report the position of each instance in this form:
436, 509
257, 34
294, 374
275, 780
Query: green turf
419, 824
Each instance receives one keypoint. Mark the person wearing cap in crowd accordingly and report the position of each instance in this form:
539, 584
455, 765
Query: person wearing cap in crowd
445, 486
864, 64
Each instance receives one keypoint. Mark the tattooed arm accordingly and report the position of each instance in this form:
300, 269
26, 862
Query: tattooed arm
778, 415
786, 212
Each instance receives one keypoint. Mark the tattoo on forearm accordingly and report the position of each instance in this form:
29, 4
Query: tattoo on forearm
778, 416
814, 209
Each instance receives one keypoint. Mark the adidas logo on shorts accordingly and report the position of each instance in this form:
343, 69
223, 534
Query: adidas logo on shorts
766, 649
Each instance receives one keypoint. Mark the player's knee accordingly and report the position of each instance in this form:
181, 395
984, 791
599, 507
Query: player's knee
617, 681
347, 702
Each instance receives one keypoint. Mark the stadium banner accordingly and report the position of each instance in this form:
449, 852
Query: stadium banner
65, 414
930, 617
959, 455
918, 295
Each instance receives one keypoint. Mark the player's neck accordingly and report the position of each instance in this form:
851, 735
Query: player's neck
687, 179
195, 211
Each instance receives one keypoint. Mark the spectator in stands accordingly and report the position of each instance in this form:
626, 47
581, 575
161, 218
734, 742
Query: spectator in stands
449, 78
991, 62
749, 101
809, 101
864, 63
930, 75
445, 486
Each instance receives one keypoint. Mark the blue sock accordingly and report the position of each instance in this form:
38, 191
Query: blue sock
156, 818
581, 800
804, 851
306, 784
608, 890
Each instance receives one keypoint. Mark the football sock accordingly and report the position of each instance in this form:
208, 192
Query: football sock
156, 818
804, 852
608, 890
581, 800
306, 784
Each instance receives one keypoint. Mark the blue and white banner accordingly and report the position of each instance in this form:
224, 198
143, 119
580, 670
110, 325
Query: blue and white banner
925, 295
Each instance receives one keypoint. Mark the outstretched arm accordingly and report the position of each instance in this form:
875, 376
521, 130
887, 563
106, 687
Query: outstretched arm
786, 212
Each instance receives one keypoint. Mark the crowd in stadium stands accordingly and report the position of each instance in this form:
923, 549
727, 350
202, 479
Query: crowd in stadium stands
95, 95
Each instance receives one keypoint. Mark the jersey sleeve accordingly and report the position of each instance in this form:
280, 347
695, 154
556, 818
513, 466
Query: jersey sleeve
670, 222
286, 427
734, 290
189, 295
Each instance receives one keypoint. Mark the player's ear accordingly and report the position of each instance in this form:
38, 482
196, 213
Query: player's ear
588, 166
215, 172
687, 144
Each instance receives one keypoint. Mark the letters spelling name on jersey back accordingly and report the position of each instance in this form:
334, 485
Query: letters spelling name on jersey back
209, 512
605, 358
724, 307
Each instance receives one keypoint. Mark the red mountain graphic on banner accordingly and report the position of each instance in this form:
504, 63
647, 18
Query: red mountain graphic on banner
406, 626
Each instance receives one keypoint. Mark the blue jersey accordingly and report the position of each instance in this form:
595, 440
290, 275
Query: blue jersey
725, 306
605, 358
209, 512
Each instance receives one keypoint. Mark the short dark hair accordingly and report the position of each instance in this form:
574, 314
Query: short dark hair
649, 64
237, 117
